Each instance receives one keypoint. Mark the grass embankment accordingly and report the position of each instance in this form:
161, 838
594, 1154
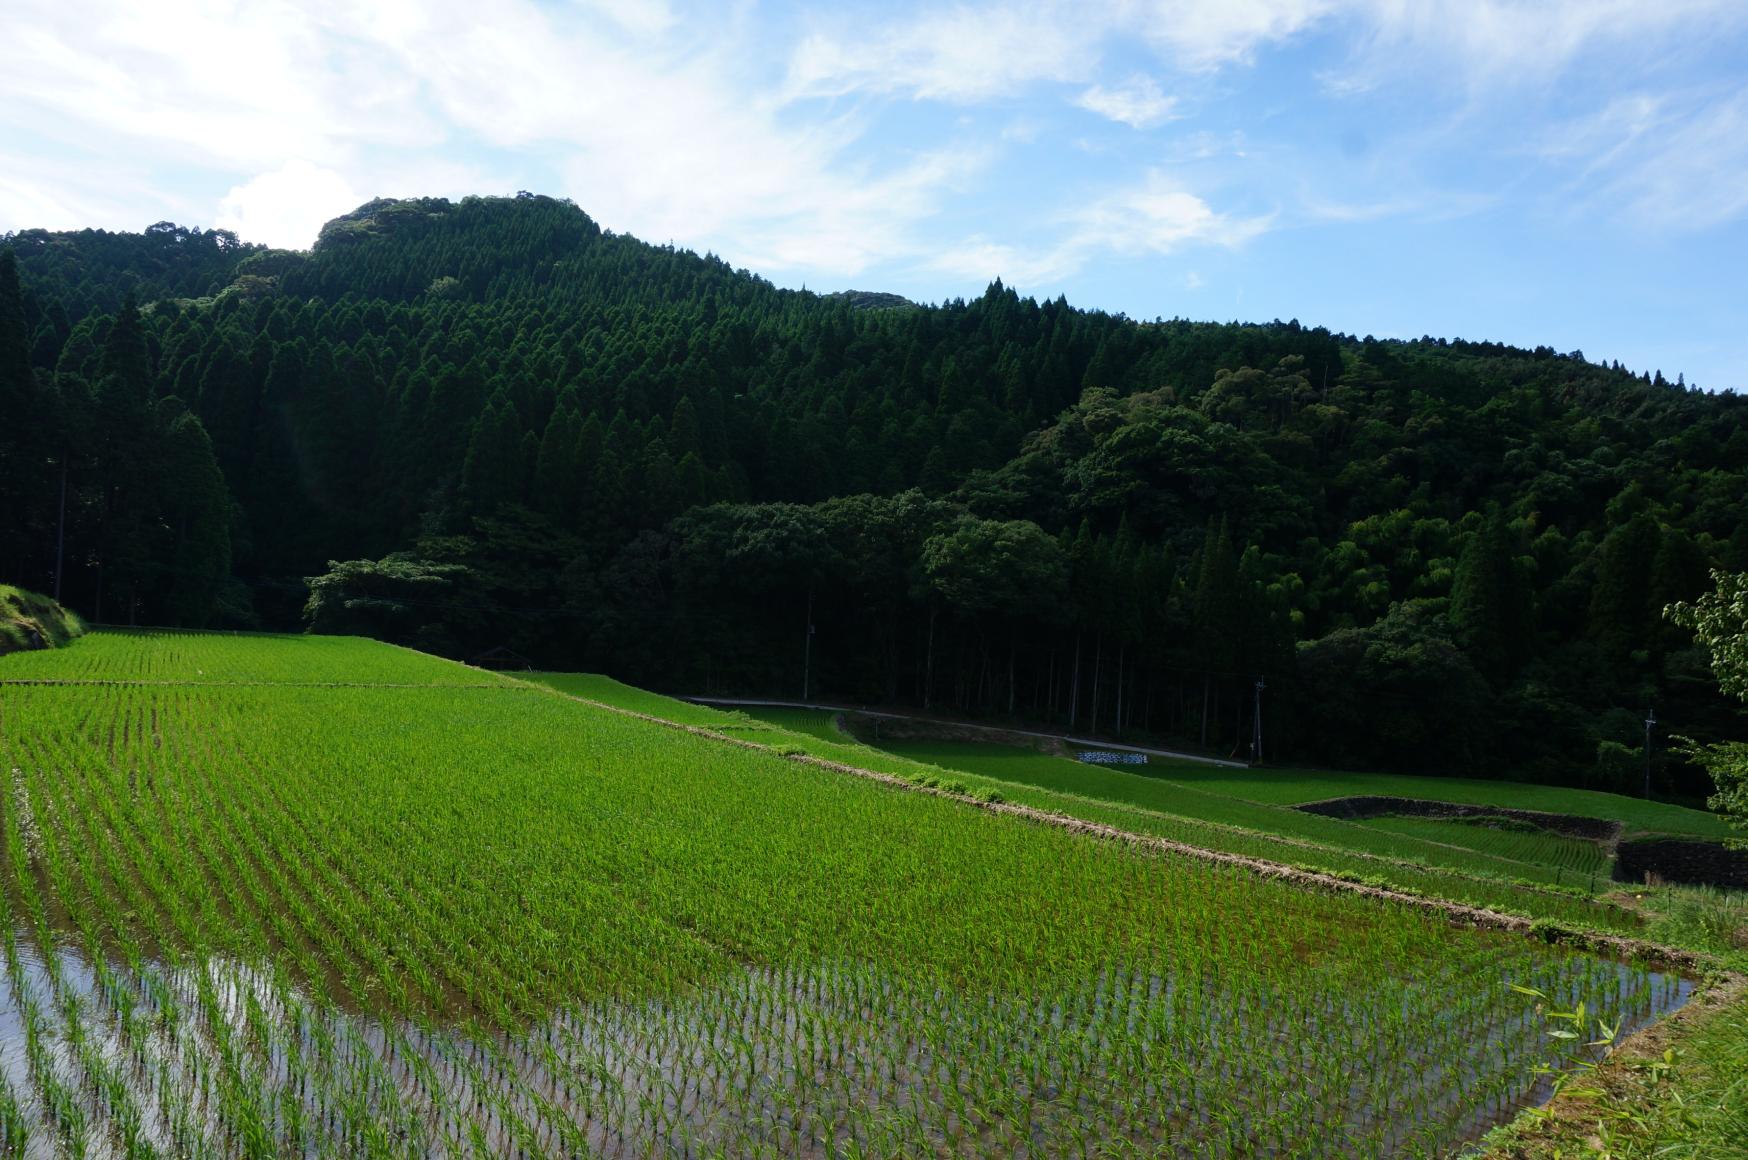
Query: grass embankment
447, 911
1676, 1091
32, 621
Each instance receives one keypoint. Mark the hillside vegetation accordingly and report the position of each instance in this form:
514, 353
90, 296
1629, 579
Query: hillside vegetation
30, 621
491, 423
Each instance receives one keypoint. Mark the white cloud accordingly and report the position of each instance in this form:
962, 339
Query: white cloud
1492, 46
640, 17
288, 206
973, 52
1674, 163
1151, 218
1159, 217
1205, 34
654, 127
979, 259
673, 148
48, 193
1138, 103
245, 85
659, 121
959, 54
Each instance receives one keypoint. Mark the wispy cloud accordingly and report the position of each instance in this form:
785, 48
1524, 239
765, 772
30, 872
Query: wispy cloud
1153, 218
960, 54
1208, 34
48, 193
1488, 49
1675, 162
655, 129
1137, 102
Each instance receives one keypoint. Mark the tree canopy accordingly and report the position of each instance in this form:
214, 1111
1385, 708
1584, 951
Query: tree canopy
1719, 620
641, 459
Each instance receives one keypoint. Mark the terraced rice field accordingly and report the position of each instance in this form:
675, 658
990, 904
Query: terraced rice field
1540, 864
820, 723
1164, 810
1296, 786
256, 904
1583, 858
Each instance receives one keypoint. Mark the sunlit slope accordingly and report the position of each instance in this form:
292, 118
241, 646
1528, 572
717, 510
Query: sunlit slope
224, 658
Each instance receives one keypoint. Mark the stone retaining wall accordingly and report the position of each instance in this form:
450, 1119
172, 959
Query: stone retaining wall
1682, 860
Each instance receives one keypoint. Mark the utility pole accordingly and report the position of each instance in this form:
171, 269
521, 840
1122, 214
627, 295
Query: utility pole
1256, 724
807, 650
1650, 720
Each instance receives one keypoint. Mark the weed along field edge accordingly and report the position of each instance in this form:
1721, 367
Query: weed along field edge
270, 896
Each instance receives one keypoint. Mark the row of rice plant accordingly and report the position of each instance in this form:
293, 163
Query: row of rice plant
188, 657
1163, 794
1576, 858
1434, 869
400, 920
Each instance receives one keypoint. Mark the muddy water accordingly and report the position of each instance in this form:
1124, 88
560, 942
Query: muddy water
220, 1058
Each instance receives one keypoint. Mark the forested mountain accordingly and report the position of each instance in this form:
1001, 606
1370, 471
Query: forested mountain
466, 426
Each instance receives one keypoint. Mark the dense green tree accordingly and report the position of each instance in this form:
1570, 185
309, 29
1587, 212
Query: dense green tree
496, 384
1218, 614
1719, 620
20, 416
1491, 615
195, 514
1399, 692
492, 473
1620, 602
391, 599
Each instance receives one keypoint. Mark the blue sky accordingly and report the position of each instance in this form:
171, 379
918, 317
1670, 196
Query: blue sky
1564, 172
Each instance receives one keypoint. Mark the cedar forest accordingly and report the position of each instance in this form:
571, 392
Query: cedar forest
492, 427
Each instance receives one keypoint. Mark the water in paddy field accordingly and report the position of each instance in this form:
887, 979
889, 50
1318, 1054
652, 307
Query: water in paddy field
846, 1059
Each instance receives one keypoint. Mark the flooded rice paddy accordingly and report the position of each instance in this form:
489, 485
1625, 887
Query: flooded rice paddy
103, 1059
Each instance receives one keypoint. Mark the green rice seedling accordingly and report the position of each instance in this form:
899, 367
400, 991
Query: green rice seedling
258, 908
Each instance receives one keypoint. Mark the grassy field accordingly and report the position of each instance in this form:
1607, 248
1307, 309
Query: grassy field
268, 896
